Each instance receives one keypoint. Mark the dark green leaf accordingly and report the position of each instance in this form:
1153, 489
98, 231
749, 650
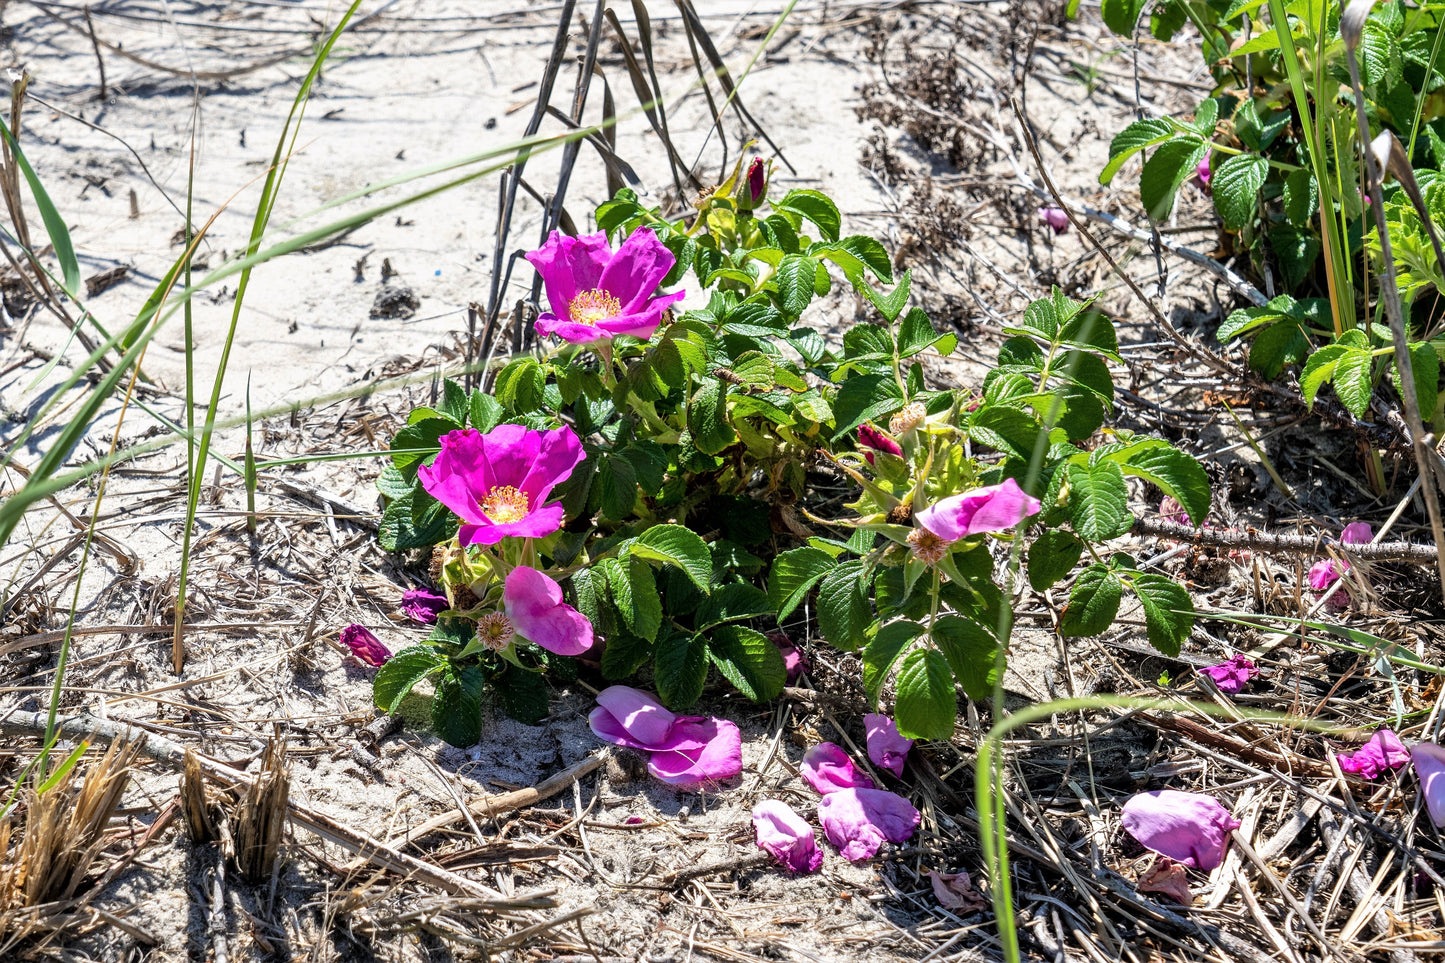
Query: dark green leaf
1093, 603
1176, 474
972, 653
402, 671
707, 418
456, 709
1168, 611
793, 574
677, 546
731, 603
624, 655
816, 207
400, 529
843, 611
749, 661
1052, 556
1171, 163
615, 487
1236, 183
882, 651
1301, 197
1131, 140
865, 398
1098, 501
925, 707
679, 668
795, 277
523, 695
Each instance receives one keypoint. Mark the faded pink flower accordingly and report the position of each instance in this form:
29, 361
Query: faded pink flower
534, 606
365, 645
1429, 760
886, 748
423, 605
682, 750
1055, 217
1384, 751
994, 508
1188, 827
498, 483
596, 294
858, 821
786, 836
955, 891
871, 439
1167, 877
1231, 676
827, 768
794, 659
1171, 511
632, 718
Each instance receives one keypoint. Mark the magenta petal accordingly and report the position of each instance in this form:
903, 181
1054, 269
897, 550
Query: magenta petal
858, 821
559, 451
1357, 533
533, 602
786, 836
569, 266
637, 713
994, 508
794, 660
1383, 752
719, 759
1231, 676
635, 271
886, 747
423, 605
1323, 574
827, 768
365, 646
1429, 760
1188, 827
874, 438
1055, 218
457, 467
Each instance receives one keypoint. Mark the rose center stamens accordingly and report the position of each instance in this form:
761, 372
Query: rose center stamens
495, 631
593, 306
504, 503
928, 547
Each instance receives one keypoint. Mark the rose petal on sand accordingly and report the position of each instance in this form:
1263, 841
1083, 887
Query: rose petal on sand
1231, 676
786, 836
858, 821
886, 747
1188, 827
827, 768
720, 756
955, 891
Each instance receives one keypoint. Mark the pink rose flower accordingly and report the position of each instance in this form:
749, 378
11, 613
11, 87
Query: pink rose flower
827, 768
534, 606
858, 821
1231, 676
1055, 218
1383, 752
995, 508
871, 439
498, 483
596, 294
1429, 760
365, 645
1188, 827
682, 750
886, 748
786, 836
423, 605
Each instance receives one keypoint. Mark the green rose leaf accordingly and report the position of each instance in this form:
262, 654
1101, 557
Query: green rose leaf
972, 653
882, 651
679, 668
843, 611
707, 418
1093, 603
1052, 556
1098, 501
1168, 611
456, 709
793, 574
1176, 474
1236, 184
1171, 163
523, 695
926, 706
678, 546
399, 673
816, 207
749, 661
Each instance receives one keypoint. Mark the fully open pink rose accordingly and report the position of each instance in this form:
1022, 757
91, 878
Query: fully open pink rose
596, 294
858, 821
498, 483
827, 768
886, 747
423, 605
365, 645
1231, 676
995, 508
534, 606
1429, 761
1383, 752
682, 750
786, 836
1188, 827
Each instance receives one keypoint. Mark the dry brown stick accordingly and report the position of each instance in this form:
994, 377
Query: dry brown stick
1297, 765
1258, 541
331, 830
684, 876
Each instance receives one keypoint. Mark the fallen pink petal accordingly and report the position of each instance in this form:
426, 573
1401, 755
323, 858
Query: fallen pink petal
1231, 676
365, 645
1055, 218
1429, 762
828, 769
718, 758
1171, 511
886, 748
795, 661
859, 821
423, 605
1357, 533
596, 294
994, 508
1168, 878
632, 718
955, 891
1325, 573
786, 836
1384, 751
534, 605
1188, 827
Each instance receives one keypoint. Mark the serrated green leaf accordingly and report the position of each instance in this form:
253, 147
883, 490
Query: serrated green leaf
816, 207
1426, 365
1098, 501
1301, 197
916, 333
523, 695
456, 709
731, 603
1052, 556
1282, 343
400, 528
864, 398
794, 277
707, 418
1131, 140
399, 673
1171, 162
1318, 370
415, 443
1093, 603
891, 304
1353, 381
1176, 474
749, 661
1168, 611
1295, 252
882, 651
679, 668
680, 547
793, 574
624, 655
518, 386
615, 487
843, 611
972, 652
1236, 183
634, 594
1008, 429
925, 707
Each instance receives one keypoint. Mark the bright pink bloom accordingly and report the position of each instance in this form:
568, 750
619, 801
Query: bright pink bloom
1055, 218
886, 747
534, 606
872, 439
498, 483
1188, 827
596, 294
757, 180
1325, 573
682, 750
423, 605
365, 646
995, 508
1429, 760
794, 659
827, 768
1231, 676
786, 836
1382, 753
858, 821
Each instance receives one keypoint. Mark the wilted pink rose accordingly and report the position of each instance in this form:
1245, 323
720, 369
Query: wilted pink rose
886, 747
955, 891
1383, 752
596, 294
1429, 760
1167, 877
1055, 217
720, 756
498, 483
827, 768
994, 508
365, 646
1203, 172
795, 661
871, 439
534, 606
1231, 676
423, 605
1188, 827
858, 821
786, 836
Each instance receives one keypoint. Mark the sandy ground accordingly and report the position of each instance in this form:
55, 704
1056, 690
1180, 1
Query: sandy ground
418, 84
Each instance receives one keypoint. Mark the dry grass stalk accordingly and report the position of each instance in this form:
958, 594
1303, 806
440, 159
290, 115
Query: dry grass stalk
202, 814
261, 814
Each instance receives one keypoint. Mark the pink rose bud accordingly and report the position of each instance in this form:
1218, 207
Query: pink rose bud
1055, 218
827, 768
365, 646
757, 180
871, 439
1188, 827
886, 748
786, 836
1382, 753
1231, 676
859, 821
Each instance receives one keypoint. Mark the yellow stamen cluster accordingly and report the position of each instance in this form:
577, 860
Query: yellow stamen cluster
908, 419
928, 547
593, 306
495, 631
504, 503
